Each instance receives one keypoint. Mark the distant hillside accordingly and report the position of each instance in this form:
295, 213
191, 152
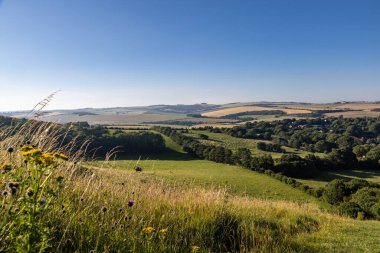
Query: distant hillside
203, 114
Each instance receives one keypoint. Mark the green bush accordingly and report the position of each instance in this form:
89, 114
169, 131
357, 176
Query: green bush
350, 209
334, 191
369, 200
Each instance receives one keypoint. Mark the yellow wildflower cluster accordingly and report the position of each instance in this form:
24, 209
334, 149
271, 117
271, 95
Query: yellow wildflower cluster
195, 248
163, 230
6, 167
148, 230
36, 156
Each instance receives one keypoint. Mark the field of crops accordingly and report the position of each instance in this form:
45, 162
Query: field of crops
233, 110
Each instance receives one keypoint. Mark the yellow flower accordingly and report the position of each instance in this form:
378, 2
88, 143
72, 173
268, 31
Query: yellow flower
32, 152
26, 148
6, 167
61, 156
163, 230
148, 230
195, 248
47, 159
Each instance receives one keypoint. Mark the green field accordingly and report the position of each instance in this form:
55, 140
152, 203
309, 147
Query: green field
327, 176
184, 172
106, 206
235, 180
179, 167
233, 143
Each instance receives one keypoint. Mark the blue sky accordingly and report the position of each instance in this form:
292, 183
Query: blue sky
128, 52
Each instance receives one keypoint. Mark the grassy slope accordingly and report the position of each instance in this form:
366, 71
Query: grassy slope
235, 143
334, 234
205, 173
325, 177
207, 218
177, 166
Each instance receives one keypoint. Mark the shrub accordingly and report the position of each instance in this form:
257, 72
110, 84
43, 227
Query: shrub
350, 209
334, 191
355, 184
368, 199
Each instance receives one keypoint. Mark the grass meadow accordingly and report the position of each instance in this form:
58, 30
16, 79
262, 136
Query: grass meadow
327, 176
79, 206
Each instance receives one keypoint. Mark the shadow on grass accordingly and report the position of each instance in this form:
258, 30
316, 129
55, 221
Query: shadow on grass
167, 154
348, 174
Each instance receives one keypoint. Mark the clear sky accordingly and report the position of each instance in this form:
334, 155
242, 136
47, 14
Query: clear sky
140, 52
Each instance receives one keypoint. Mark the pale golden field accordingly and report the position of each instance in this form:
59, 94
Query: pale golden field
359, 106
227, 111
354, 114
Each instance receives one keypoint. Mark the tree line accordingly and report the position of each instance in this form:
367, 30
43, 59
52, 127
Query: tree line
97, 139
359, 137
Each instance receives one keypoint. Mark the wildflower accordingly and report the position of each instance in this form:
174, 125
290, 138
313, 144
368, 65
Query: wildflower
10, 150
104, 209
163, 230
26, 148
13, 185
31, 153
148, 230
47, 159
30, 192
6, 167
195, 248
61, 156
131, 202
42, 201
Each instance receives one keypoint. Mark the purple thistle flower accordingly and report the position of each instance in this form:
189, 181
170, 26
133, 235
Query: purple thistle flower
131, 202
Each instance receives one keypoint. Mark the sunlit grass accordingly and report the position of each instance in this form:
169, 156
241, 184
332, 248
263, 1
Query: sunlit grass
116, 209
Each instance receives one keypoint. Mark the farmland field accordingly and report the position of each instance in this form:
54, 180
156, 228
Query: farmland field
178, 115
354, 114
178, 166
112, 119
233, 143
204, 173
325, 177
227, 111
